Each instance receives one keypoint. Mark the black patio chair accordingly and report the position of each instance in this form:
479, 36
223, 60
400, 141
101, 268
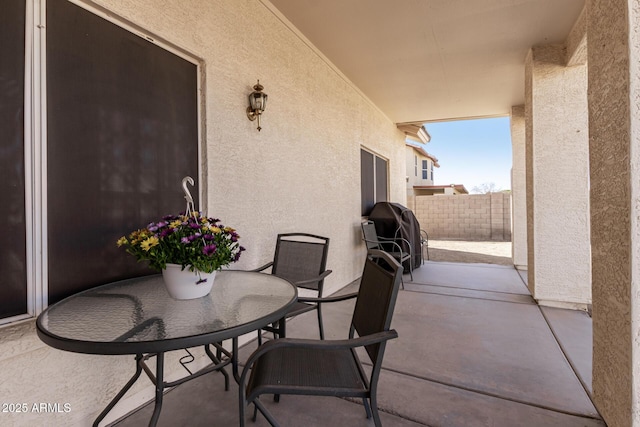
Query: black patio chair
332, 367
300, 258
389, 245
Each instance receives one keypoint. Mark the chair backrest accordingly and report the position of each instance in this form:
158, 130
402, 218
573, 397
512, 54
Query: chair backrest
370, 235
301, 256
376, 298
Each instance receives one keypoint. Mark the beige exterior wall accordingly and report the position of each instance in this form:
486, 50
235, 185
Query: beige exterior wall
557, 179
614, 130
465, 216
300, 173
518, 188
414, 178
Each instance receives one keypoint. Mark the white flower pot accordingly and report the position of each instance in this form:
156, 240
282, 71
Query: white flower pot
185, 284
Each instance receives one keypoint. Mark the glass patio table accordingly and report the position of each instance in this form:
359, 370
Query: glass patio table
137, 316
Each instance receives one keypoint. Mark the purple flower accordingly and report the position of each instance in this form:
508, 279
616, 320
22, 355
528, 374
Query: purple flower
208, 237
234, 237
169, 217
194, 225
185, 240
162, 224
209, 249
152, 227
192, 238
166, 232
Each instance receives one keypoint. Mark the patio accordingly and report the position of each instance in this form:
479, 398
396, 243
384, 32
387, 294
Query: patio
473, 350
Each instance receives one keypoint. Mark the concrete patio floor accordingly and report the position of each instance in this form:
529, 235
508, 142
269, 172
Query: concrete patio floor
473, 350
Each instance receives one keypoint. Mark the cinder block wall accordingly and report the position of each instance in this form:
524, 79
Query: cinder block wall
465, 217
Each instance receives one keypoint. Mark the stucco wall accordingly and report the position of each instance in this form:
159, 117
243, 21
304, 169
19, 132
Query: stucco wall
557, 178
300, 173
411, 178
614, 112
465, 216
518, 188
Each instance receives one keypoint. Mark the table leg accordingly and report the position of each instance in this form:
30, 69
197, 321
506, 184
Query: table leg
121, 393
234, 359
159, 389
217, 359
282, 325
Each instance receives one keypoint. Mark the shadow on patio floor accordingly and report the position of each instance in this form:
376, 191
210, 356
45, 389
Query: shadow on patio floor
473, 350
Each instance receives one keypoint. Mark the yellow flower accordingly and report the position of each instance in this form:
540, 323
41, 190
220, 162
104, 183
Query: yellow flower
122, 241
149, 243
175, 224
229, 229
214, 229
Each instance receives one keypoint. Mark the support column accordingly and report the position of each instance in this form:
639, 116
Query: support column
614, 144
557, 168
518, 189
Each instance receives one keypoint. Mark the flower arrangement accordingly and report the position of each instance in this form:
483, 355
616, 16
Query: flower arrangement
192, 241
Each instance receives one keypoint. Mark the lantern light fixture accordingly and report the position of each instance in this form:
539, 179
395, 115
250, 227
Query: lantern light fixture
257, 103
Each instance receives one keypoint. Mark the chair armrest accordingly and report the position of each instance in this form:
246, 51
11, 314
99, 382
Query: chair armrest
313, 279
264, 267
336, 298
319, 344
389, 241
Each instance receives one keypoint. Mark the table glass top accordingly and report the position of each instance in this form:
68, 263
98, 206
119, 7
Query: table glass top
140, 310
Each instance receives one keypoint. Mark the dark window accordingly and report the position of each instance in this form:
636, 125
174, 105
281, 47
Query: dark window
373, 180
122, 132
367, 186
13, 268
425, 169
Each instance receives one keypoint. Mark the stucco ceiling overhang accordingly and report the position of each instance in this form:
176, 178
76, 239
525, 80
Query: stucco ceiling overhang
430, 60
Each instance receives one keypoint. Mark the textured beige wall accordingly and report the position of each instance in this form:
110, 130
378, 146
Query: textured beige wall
576, 52
411, 177
465, 216
300, 173
518, 188
557, 178
614, 99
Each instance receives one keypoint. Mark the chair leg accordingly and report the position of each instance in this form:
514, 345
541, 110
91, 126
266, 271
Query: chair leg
374, 410
259, 337
241, 405
266, 413
320, 326
367, 408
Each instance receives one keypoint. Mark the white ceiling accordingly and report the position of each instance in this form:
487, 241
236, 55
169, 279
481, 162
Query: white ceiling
429, 60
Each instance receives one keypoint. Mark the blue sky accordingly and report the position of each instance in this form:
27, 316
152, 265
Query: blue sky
472, 152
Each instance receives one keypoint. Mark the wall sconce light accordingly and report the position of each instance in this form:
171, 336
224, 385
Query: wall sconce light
257, 103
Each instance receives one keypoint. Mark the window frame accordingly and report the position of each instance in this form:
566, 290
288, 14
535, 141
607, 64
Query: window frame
375, 158
35, 142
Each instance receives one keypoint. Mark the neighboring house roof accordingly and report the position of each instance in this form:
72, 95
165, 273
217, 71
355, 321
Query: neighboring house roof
422, 151
416, 132
437, 188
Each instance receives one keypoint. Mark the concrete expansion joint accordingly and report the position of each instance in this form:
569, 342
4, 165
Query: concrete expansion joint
494, 395
381, 408
568, 360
